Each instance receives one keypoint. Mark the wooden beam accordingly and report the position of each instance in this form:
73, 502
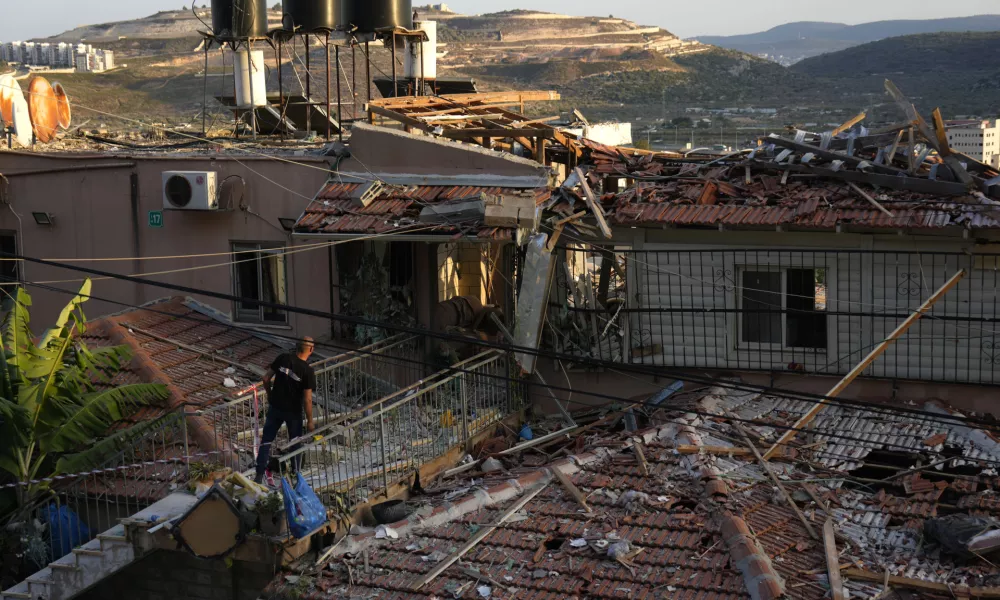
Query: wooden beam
944, 148
571, 488
774, 478
556, 232
850, 123
894, 182
594, 204
868, 360
641, 457
464, 134
829, 154
480, 536
870, 200
713, 450
945, 589
404, 119
895, 147
832, 560
468, 99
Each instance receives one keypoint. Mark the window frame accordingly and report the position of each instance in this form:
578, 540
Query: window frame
777, 347
263, 250
18, 272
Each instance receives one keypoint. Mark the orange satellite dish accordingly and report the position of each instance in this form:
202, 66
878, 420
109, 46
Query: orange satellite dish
65, 115
43, 107
8, 88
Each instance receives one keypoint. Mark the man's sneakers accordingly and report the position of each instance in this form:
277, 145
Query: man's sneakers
269, 476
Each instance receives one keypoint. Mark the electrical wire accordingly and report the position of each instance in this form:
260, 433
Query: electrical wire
797, 396
288, 251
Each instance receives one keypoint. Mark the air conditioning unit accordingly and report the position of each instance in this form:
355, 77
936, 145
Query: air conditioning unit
190, 190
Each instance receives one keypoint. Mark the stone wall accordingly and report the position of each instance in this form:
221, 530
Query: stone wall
165, 575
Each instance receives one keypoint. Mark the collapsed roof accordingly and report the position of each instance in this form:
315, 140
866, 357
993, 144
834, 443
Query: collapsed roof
694, 515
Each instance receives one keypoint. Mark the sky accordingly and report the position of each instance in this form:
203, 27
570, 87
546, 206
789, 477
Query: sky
42, 18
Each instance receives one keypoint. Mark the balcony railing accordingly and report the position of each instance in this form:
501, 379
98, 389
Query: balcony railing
811, 311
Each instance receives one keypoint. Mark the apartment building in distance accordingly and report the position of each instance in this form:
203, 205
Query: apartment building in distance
977, 139
82, 57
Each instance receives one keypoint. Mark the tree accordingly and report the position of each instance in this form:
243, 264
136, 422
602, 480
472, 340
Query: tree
56, 404
276, 7
642, 145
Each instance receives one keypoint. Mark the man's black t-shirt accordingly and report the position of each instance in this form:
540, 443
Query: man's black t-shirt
292, 377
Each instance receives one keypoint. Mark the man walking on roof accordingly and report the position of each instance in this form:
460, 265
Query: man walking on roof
290, 383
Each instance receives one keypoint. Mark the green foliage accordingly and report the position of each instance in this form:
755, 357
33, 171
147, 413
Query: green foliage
642, 145
270, 504
55, 405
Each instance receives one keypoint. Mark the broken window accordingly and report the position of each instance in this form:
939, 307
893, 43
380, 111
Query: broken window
259, 276
785, 308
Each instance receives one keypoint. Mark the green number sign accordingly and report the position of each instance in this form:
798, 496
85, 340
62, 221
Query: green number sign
156, 219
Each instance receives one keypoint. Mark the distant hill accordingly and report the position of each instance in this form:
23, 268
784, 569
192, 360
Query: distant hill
793, 42
957, 71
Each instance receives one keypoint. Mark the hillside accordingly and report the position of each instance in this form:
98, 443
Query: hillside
957, 71
792, 42
162, 25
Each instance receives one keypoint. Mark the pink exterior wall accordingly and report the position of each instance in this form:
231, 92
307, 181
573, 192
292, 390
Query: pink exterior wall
94, 219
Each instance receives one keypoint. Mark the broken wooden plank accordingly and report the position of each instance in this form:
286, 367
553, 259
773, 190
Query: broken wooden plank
572, 217
713, 450
478, 537
870, 200
556, 233
850, 123
866, 362
464, 134
774, 478
944, 148
593, 203
895, 147
946, 589
641, 457
570, 487
832, 561
854, 161
894, 182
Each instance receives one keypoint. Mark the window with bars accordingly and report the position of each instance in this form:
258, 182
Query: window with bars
783, 308
259, 276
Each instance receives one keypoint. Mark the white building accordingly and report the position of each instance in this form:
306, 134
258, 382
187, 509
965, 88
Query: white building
976, 139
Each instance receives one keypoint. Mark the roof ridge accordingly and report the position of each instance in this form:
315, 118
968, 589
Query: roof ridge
147, 369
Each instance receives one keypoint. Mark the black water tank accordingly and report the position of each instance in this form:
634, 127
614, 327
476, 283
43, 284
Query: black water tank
309, 16
373, 15
239, 19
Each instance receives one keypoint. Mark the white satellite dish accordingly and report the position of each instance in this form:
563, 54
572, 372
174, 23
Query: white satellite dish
22, 122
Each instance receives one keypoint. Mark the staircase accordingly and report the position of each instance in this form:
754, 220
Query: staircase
99, 558
78, 570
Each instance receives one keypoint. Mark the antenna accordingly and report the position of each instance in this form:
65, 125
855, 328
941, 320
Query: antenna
43, 109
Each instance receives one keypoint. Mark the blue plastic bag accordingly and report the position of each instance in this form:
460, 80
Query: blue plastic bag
303, 508
66, 530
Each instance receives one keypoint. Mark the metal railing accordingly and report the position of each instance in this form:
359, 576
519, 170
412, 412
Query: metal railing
65, 512
363, 454
343, 383
813, 311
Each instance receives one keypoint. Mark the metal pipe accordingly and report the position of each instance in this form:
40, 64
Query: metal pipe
253, 103
340, 104
368, 70
423, 78
204, 97
395, 88
73, 169
354, 81
308, 86
329, 130
281, 87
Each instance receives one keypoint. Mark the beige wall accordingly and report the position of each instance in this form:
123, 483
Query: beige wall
94, 219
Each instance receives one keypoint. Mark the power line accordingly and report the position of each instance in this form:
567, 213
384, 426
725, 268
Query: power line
727, 384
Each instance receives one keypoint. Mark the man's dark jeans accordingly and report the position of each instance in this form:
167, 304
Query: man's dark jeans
275, 419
